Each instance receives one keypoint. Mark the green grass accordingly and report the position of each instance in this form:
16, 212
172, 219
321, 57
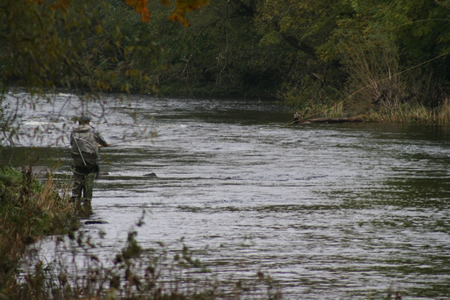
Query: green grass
401, 113
29, 211
413, 113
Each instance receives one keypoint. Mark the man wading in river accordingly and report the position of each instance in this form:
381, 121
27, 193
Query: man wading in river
85, 146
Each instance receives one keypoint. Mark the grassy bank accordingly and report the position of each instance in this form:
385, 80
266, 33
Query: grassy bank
414, 113
400, 113
29, 211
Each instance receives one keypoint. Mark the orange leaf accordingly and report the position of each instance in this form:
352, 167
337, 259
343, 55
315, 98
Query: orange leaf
140, 6
184, 6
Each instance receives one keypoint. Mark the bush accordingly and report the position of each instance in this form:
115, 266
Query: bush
29, 211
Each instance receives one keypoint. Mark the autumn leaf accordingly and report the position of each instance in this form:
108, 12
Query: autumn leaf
182, 7
140, 6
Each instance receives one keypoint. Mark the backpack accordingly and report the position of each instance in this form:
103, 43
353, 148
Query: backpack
84, 153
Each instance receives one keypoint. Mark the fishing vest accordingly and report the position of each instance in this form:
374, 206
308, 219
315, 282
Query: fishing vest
84, 148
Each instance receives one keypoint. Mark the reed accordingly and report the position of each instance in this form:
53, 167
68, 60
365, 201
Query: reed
29, 211
413, 113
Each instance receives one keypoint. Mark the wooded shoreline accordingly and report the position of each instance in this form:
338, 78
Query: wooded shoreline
381, 57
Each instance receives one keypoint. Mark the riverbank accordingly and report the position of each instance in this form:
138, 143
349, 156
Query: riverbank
29, 211
402, 113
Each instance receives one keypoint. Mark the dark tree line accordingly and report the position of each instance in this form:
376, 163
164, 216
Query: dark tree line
369, 55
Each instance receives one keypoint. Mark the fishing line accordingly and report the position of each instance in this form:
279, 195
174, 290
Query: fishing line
132, 140
106, 155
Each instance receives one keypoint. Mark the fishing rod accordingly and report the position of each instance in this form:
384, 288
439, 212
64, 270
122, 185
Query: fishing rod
79, 150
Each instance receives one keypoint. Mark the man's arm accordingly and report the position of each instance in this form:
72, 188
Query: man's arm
99, 138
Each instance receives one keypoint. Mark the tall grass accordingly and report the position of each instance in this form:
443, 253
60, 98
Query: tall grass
29, 211
414, 113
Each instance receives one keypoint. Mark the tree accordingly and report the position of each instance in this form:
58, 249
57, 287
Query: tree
334, 49
300, 31
397, 50
85, 46
218, 54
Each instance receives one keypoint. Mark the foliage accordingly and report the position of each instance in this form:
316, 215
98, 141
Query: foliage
78, 44
141, 7
216, 55
48, 45
308, 54
368, 50
28, 212
312, 77
413, 113
398, 44
181, 7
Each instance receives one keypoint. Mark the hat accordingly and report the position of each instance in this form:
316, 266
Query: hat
84, 119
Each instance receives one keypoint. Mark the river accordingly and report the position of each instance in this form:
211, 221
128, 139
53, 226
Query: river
326, 210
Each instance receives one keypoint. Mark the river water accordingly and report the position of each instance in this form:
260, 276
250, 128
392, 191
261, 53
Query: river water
326, 210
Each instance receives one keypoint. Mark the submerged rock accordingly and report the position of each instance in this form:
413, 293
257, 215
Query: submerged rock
151, 175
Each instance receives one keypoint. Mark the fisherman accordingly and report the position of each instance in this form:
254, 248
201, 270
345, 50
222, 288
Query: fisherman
85, 142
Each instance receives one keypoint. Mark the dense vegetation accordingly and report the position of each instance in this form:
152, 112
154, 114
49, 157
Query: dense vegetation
29, 211
367, 56
380, 56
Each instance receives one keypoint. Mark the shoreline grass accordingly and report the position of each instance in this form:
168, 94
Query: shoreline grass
401, 114
29, 211
414, 113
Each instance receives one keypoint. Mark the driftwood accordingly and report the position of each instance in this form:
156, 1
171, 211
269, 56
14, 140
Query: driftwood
327, 120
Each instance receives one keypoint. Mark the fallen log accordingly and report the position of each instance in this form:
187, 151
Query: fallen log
328, 120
